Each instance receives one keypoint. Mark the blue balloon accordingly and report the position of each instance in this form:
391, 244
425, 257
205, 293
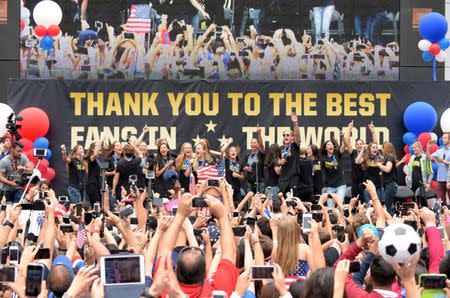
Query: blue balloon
433, 26
46, 42
409, 138
444, 44
420, 117
49, 154
41, 143
434, 166
441, 141
427, 56
411, 150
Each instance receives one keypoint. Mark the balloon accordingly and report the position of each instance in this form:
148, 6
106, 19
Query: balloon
445, 121
409, 138
433, 26
424, 45
441, 141
434, 148
444, 44
43, 166
406, 169
420, 117
49, 154
22, 25
424, 138
24, 13
27, 144
406, 149
434, 136
434, 49
35, 123
41, 143
48, 13
434, 186
411, 150
53, 30
37, 173
427, 57
46, 42
40, 31
49, 174
5, 112
31, 157
407, 157
441, 56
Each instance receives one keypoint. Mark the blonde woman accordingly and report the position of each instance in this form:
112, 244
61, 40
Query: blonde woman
420, 171
183, 165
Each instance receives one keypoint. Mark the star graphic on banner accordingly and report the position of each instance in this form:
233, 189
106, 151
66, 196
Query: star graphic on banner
211, 126
197, 139
223, 140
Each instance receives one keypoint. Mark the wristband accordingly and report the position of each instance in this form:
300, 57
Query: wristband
141, 245
9, 224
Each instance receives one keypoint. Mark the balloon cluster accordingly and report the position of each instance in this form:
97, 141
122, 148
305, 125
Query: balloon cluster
420, 119
47, 14
433, 28
35, 125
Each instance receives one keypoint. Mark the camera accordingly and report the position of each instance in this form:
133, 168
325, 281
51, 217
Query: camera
40, 153
132, 179
150, 175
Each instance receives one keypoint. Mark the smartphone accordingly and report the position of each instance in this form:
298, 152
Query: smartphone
174, 210
127, 211
66, 220
43, 253
235, 213
5, 254
404, 212
96, 207
199, 202
78, 209
132, 269
219, 294
317, 216
262, 272
239, 231
43, 195
8, 273
411, 223
25, 206
213, 182
442, 232
346, 212
66, 228
300, 218
250, 221
316, 207
432, 281
306, 222
35, 274
88, 216
14, 255
198, 232
355, 266
63, 199
408, 205
133, 220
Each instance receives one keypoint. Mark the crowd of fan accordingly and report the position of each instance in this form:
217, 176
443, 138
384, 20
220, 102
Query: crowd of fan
195, 250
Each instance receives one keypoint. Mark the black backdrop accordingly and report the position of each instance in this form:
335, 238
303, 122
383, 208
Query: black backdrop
236, 108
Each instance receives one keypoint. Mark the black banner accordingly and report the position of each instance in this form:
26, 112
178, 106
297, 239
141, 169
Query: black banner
187, 111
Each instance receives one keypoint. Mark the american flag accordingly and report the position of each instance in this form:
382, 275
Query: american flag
139, 19
81, 236
207, 172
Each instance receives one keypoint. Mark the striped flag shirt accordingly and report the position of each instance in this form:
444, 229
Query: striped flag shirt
139, 20
207, 172
81, 236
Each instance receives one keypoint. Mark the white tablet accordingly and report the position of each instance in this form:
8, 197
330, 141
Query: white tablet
122, 269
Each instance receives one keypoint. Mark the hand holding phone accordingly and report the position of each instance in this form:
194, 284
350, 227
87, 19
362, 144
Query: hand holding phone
35, 274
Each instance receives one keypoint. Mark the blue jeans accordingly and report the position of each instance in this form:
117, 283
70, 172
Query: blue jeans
74, 195
322, 21
196, 22
255, 17
340, 191
379, 22
379, 194
389, 192
13, 196
358, 26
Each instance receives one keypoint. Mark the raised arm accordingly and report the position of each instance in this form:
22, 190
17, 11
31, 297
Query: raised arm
372, 131
347, 136
294, 120
260, 140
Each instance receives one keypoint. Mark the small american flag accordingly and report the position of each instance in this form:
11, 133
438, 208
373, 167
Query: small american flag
81, 236
139, 19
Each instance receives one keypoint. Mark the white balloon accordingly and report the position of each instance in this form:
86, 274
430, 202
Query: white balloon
47, 13
445, 121
441, 56
5, 111
424, 45
24, 13
434, 136
406, 169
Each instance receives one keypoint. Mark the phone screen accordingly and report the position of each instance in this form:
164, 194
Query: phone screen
262, 272
430, 281
8, 274
199, 202
34, 279
13, 254
43, 253
307, 217
122, 270
355, 266
239, 231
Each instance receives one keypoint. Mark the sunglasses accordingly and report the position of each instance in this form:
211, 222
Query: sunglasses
286, 134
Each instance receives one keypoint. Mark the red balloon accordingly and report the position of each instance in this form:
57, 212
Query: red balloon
406, 149
27, 144
434, 186
424, 138
43, 166
434, 49
40, 31
49, 174
407, 157
53, 30
434, 148
30, 155
22, 24
35, 123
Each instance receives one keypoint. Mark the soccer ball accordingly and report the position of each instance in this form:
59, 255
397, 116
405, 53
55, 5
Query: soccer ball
399, 243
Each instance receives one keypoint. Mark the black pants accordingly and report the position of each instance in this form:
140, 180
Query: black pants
93, 194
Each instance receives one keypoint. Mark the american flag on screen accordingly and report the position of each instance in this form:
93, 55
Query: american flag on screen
139, 20
81, 236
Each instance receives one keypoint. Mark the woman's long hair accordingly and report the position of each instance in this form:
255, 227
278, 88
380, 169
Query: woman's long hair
238, 150
388, 150
288, 240
71, 155
367, 156
109, 151
87, 157
159, 157
323, 149
315, 151
180, 159
273, 154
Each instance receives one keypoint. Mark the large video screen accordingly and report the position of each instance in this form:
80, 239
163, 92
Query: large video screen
218, 40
